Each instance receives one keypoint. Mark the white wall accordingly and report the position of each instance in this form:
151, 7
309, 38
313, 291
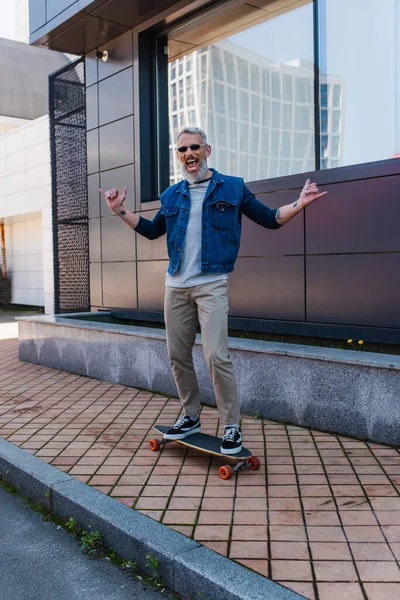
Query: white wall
25, 208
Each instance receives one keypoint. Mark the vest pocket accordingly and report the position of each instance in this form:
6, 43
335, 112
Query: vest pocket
222, 215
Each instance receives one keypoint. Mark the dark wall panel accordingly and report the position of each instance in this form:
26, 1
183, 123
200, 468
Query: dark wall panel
151, 249
94, 195
112, 105
92, 107
268, 287
131, 13
95, 285
358, 289
117, 240
119, 285
94, 240
151, 284
92, 141
116, 144
257, 241
356, 216
120, 55
91, 65
118, 178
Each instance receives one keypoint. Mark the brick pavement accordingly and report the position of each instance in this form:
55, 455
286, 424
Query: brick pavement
321, 516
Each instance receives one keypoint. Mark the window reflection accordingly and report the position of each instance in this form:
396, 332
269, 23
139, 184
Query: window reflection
255, 94
360, 81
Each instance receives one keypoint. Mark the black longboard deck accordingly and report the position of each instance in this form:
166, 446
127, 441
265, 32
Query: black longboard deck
207, 443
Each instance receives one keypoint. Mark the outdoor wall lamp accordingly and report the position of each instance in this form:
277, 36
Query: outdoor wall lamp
102, 55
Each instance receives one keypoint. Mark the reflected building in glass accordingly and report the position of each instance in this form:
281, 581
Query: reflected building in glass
258, 114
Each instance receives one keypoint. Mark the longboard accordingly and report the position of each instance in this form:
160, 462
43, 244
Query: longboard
211, 445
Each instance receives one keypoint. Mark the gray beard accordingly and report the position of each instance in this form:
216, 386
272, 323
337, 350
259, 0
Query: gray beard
194, 178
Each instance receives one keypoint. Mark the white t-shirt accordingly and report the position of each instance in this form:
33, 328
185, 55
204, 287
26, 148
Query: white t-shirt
189, 272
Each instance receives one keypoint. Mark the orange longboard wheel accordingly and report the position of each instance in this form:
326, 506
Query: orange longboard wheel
154, 445
254, 463
225, 472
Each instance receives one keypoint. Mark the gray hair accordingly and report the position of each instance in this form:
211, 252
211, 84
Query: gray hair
193, 130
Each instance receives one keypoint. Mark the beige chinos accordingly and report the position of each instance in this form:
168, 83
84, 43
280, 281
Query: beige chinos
208, 303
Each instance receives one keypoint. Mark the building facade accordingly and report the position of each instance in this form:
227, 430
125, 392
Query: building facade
286, 91
25, 203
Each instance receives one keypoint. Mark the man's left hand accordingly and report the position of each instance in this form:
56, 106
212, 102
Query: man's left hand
310, 193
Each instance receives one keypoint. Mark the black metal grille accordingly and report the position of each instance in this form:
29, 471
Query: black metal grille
67, 99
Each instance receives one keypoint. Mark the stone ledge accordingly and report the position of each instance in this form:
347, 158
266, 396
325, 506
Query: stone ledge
185, 565
354, 357
341, 391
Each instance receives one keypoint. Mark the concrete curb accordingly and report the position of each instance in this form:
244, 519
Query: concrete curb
187, 567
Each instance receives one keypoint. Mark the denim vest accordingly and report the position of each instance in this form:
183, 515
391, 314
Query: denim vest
226, 199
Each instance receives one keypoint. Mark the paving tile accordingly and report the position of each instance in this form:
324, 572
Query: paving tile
378, 571
371, 551
325, 534
297, 570
327, 570
330, 551
340, 591
364, 533
180, 517
215, 517
289, 550
211, 533
249, 533
220, 547
382, 591
287, 533
244, 517
301, 587
259, 566
245, 549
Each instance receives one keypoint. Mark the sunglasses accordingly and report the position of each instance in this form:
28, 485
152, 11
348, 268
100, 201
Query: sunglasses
193, 147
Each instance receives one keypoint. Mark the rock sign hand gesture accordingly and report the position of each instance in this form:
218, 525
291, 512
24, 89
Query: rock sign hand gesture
310, 193
114, 198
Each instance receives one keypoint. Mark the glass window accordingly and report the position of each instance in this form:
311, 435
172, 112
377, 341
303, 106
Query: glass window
255, 108
275, 114
335, 121
264, 148
360, 80
219, 90
244, 138
243, 73
286, 145
251, 80
230, 68
232, 103
216, 64
265, 111
255, 78
275, 89
288, 88
324, 121
287, 116
244, 106
303, 118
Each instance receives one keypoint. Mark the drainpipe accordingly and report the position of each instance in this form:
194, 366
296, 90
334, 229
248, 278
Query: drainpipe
3, 251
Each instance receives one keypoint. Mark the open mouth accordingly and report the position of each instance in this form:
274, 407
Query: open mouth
191, 165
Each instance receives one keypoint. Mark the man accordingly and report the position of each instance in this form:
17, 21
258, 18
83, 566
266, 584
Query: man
201, 216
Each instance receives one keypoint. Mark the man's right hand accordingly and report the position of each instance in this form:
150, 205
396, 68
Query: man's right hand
114, 198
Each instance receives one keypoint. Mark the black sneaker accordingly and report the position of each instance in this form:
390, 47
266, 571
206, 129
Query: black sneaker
182, 428
231, 441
